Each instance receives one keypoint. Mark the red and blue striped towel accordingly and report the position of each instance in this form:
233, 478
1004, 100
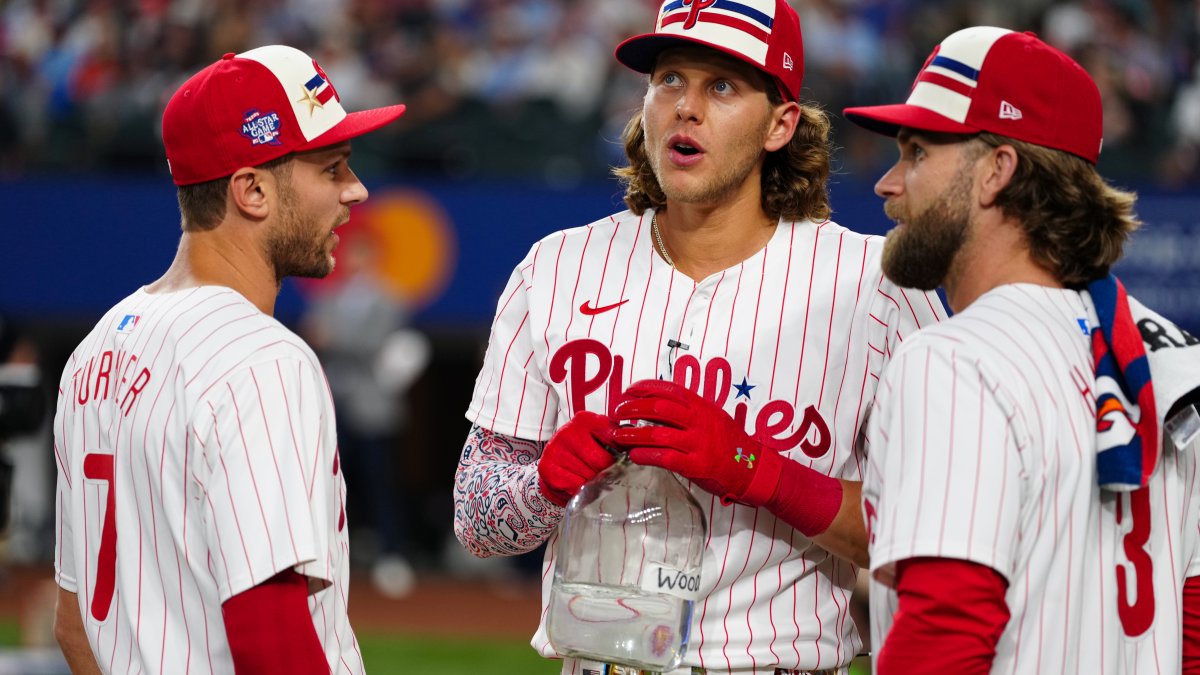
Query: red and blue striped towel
1127, 422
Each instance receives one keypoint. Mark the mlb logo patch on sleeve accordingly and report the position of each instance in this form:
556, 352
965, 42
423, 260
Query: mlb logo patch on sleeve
128, 323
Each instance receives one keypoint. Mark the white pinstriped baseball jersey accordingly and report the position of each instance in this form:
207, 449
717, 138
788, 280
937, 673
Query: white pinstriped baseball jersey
196, 449
790, 342
982, 448
1151, 538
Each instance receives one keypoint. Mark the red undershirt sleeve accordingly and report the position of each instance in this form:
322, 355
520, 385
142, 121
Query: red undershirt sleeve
949, 618
270, 630
1191, 626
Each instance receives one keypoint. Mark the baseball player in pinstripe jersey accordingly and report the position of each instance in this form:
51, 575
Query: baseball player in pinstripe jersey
1031, 496
200, 503
726, 308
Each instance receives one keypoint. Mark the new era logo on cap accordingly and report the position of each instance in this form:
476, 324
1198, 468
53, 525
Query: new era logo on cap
996, 80
763, 33
250, 108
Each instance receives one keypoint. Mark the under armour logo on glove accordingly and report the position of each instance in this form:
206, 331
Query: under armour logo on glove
749, 458
692, 436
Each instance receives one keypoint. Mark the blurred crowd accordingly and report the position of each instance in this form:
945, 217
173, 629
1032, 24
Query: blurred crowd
528, 88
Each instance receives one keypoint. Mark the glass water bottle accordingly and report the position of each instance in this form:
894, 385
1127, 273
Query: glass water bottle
628, 569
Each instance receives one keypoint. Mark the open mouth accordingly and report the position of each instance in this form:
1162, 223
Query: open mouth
684, 146
685, 149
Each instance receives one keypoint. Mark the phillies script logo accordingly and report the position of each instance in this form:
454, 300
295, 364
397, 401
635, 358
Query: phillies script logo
694, 11
713, 381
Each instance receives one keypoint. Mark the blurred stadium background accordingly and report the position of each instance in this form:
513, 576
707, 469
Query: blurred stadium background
515, 114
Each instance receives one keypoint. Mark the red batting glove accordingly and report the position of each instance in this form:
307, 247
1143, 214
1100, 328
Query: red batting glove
574, 455
696, 439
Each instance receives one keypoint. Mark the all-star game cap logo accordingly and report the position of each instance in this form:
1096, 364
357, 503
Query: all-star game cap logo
261, 128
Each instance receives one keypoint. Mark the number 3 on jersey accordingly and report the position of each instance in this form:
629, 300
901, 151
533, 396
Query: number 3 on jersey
1137, 616
98, 466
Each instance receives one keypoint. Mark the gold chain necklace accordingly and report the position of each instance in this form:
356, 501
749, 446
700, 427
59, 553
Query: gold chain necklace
658, 240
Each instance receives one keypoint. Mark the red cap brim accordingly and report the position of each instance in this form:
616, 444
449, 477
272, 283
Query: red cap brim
888, 119
355, 124
640, 52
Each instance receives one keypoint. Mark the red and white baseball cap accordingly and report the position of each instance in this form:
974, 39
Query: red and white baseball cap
1006, 83
763, 33
253, 107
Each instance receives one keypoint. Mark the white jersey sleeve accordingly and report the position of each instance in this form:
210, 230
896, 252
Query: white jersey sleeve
1191, 523
256, 466
64, 550
511, 397
949, 484
897, 313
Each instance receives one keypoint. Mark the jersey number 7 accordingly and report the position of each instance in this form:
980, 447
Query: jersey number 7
99, 466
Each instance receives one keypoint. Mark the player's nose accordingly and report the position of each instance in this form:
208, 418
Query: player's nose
355, 192
689, 106
891, 183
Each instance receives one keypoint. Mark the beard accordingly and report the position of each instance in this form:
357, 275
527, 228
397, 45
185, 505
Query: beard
919, 254
298, 244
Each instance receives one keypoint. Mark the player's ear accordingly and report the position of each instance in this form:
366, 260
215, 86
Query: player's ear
785, 118
250, 189
997, 169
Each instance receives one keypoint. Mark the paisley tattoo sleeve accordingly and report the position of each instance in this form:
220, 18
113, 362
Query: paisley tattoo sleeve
498, 507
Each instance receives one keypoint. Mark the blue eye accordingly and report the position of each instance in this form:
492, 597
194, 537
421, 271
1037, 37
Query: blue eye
723, 87
670, 78
911, 151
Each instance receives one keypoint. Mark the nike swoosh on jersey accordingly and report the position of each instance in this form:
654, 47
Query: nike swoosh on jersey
587, 309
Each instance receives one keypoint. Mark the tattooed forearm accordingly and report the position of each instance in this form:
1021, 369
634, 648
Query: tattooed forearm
498, 508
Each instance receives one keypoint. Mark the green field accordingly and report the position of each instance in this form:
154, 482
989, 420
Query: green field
10, 633
389, 654
386, 654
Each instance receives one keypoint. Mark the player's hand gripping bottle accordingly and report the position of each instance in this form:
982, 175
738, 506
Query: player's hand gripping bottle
628, 570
